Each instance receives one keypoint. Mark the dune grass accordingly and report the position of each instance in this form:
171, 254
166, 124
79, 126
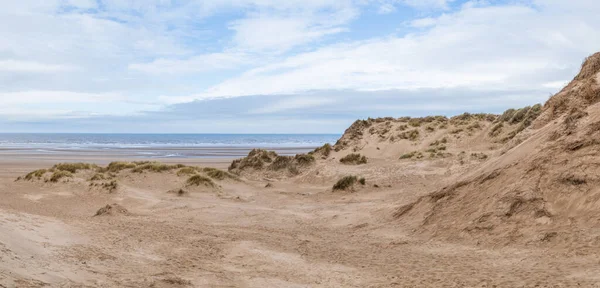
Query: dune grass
74, 167
37, 174
119, 166
198, 180
345, 183
354, 159
156, 167
58, 175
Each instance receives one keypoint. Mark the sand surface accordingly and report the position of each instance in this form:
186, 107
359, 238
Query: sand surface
297, 233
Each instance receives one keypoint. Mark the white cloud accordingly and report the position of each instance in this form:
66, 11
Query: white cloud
294, 103
43, 97
200, 63
488, 47
35, 67
82, 4
277, 33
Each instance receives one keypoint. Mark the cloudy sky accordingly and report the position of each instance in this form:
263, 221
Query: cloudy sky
273, 66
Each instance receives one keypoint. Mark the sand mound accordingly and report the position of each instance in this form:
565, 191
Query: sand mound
543, 190
112, 210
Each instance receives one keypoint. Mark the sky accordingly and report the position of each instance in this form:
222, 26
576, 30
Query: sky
274, 66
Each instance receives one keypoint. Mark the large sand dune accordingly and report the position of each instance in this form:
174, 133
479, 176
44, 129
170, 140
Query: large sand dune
475, 200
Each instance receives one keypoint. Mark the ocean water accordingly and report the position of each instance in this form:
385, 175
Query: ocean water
161, 145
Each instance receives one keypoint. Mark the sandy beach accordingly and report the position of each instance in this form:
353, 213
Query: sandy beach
295, 234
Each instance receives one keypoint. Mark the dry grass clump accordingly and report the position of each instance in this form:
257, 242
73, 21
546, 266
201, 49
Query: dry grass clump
268, 160
519, 118
156, 167
479, 156
589, 67
98, 177
218, 174
112, 210
304, 159
119, 166
412, 155
186, 171
198, 180
346, 183
324, 150
496, 129
58, 175
37, 174
110, 186
74, 167
439, 142
411, 135
354, 159
256, 159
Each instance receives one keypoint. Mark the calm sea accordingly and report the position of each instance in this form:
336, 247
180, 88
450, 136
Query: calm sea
162, 145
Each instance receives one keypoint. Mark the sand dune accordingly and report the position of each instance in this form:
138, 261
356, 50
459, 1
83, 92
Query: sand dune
475, 200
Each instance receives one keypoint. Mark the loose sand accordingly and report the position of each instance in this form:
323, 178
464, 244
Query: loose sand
471, 201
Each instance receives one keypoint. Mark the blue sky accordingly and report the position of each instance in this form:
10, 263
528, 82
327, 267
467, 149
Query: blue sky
267, 66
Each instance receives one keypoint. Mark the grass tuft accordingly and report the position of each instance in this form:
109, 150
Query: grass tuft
198, 180
345, 183
56, 176
354, 159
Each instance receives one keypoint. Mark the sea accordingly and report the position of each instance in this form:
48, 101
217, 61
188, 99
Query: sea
160, 145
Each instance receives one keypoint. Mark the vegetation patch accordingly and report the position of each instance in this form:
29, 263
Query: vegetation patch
74, 167
411, 155
37, 174
156, 167
98, 177
345, 183
411, 135
217, 174
186, 171
198, 180
58, 175
119, 166
354, 159
259, 159
324, 150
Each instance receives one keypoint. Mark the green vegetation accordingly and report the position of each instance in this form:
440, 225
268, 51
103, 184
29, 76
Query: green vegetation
156, 167
411, 135
439, 142
186, 171
74, 167
119, 166
98, 177
354, 159
110, 186
38, 174
324, 150
345, 183
216, 173
198, 180
56, 176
